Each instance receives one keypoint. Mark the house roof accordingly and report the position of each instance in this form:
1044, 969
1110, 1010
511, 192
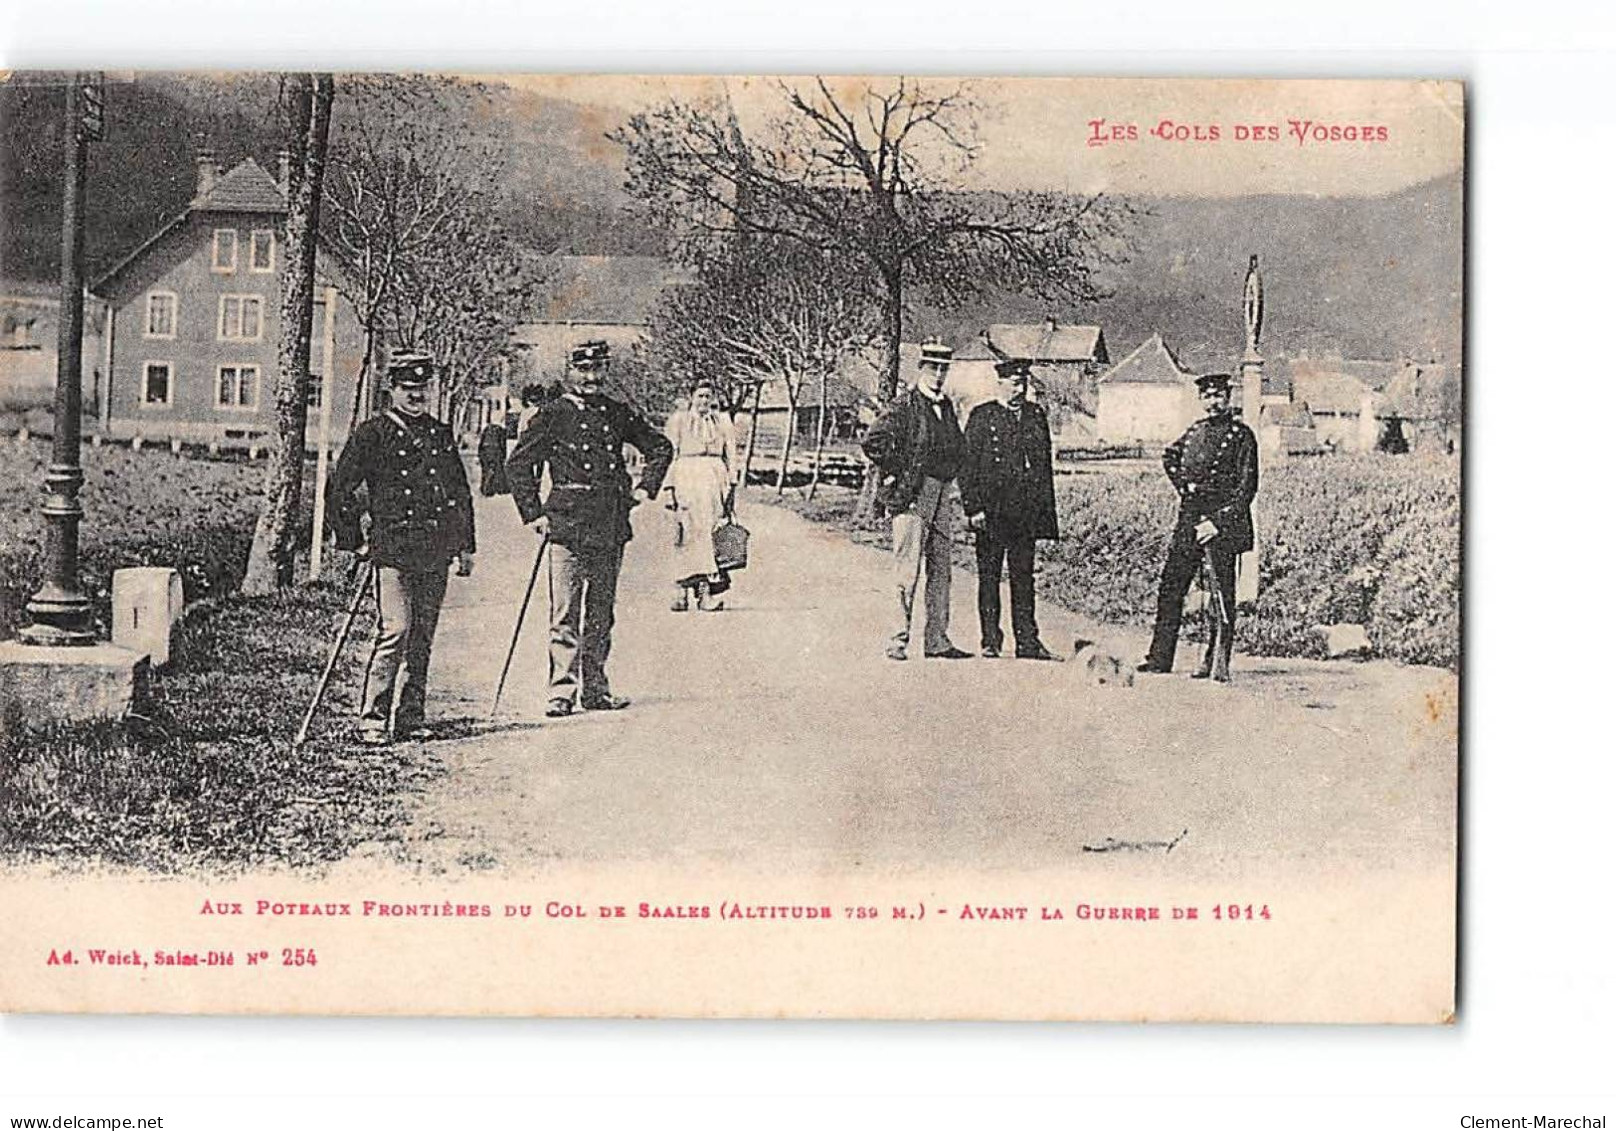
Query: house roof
1423, 390
1330, 392
605, 289
1375, 374
1151, 363
246, 188
1047, 341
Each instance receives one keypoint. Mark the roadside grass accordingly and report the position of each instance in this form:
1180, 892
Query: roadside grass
1366, 539
207, 777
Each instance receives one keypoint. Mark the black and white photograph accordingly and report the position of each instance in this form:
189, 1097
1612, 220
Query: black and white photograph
885, 546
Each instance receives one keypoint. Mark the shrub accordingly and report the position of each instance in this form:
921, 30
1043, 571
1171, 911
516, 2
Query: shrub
1368, 539
140, 508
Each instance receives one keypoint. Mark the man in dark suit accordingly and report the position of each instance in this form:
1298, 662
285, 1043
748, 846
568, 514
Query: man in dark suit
1008, 488
491, 459
420, 519
918, 449
1213, 465
580, 437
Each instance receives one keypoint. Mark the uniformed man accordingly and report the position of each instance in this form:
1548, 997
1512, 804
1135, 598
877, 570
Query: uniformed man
419, 503
580, 437
918, 449
491, 452
1214, 467
1008, 488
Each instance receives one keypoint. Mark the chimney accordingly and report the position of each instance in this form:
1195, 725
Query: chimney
283, 175
207, 173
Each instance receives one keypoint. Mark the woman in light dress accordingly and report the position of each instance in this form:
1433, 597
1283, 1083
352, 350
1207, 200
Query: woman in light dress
703, 479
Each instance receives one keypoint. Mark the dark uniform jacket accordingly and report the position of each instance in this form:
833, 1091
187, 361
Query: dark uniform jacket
1214, 467
581, 439
1008, 475
907, 443
416, 492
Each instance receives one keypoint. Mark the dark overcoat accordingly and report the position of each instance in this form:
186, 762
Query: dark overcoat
1009, 474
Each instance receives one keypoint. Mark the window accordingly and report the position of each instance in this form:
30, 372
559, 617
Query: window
263, 251
156, 384
241, 318
161, 308
238, 386
224, 250
316, 390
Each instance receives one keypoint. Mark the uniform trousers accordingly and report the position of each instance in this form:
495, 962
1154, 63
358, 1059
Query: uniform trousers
993, 549
408, 601
922, 536
1184, 558
583, 599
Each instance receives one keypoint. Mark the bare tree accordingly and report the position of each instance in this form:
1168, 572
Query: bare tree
459, 299
875, 174
271, 559
770, 313
406, 176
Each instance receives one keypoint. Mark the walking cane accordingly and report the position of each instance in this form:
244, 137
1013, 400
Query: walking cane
336, 651
520, 617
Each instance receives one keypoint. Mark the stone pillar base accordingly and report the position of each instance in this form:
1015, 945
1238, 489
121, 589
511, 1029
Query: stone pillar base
42, 686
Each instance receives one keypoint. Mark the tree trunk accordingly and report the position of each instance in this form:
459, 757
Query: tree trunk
751, 438
892, 337
274, 549
362, 403
791, 430
819, 431
864, 514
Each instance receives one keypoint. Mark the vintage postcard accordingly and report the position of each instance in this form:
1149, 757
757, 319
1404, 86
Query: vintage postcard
586, 545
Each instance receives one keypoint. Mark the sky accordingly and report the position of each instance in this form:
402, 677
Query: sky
1161, 136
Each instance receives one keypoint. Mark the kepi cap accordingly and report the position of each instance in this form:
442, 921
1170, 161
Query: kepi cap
1013, 367
590, 355
1214, 381
409, 368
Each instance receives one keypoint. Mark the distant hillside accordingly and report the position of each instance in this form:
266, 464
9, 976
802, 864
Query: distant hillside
143, 173
1372, 277
562, 181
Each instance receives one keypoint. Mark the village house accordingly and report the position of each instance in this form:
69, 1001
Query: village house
606, 298
1066, 360
191, 344
1425, 400
29, 323
1147, 398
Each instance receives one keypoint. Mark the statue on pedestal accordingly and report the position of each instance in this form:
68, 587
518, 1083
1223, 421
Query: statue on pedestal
1253, 307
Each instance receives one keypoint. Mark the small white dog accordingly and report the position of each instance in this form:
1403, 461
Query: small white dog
1101, 667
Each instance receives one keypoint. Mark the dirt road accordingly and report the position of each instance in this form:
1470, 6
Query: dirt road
777, 735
